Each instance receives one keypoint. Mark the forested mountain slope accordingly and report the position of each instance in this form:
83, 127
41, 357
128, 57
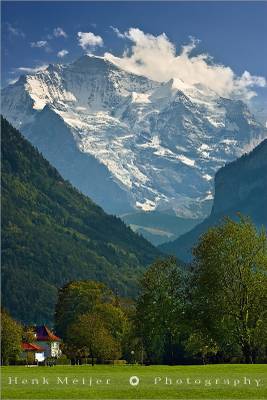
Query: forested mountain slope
51, 234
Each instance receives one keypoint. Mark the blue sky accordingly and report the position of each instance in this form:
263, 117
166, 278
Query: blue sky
233, 33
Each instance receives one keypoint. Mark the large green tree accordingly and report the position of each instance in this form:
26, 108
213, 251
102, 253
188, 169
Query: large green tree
88, 314
78, 298
91, 338
11, 338
160, 310
115, 319
229, 287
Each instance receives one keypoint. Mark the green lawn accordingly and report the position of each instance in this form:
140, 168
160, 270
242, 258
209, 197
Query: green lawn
112, 382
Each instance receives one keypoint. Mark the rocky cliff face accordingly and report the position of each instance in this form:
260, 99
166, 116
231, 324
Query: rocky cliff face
240, 187
129, 142
243, 184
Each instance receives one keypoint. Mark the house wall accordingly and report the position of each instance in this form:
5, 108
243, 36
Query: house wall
37, 356
51, 348
40, 357
55, 350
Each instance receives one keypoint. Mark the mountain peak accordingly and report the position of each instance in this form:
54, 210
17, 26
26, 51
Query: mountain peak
91, 62
137, 129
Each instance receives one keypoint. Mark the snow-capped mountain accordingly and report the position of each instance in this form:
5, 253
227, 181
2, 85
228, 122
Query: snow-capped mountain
127, 141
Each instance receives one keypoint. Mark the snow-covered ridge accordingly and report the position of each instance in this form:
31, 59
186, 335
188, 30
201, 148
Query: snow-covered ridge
161, 142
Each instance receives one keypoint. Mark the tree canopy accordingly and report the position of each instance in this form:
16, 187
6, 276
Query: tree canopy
91, 338
77, 298
229, 287
160, 310
11, 338
90, 320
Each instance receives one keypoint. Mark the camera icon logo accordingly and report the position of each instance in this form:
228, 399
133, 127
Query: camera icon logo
134, 381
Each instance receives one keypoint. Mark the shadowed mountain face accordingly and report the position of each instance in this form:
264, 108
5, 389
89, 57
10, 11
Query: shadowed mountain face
240, 187
128, 142
52, 234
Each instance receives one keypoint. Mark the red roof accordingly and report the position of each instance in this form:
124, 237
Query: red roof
43, 334
31, 347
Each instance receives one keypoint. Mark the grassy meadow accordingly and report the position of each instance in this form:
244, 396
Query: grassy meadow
113, 382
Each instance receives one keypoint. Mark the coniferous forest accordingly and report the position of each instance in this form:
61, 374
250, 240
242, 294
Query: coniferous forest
52, 234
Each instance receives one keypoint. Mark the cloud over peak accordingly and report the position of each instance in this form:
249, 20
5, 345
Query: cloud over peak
32, 70
156, 57
88, 40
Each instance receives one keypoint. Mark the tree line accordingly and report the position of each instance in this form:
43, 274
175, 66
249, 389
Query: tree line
213, 311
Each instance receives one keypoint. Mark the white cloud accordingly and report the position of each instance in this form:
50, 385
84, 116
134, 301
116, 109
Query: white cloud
42, 44
25, 70
12, 81
117, 32
57, 32
32, 70
89, 40
156, 58
247, 81
62, 53
14, 31
39, 43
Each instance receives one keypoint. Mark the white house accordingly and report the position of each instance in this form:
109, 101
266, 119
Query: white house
48, 341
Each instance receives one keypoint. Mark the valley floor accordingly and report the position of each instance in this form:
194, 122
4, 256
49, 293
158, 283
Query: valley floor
121, 382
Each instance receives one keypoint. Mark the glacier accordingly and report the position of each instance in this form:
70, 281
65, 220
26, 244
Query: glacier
128, 142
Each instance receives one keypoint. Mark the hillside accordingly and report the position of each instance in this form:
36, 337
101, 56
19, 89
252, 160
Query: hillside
51, 234
240, 187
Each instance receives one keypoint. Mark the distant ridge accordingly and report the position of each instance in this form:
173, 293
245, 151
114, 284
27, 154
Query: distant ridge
240, 187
